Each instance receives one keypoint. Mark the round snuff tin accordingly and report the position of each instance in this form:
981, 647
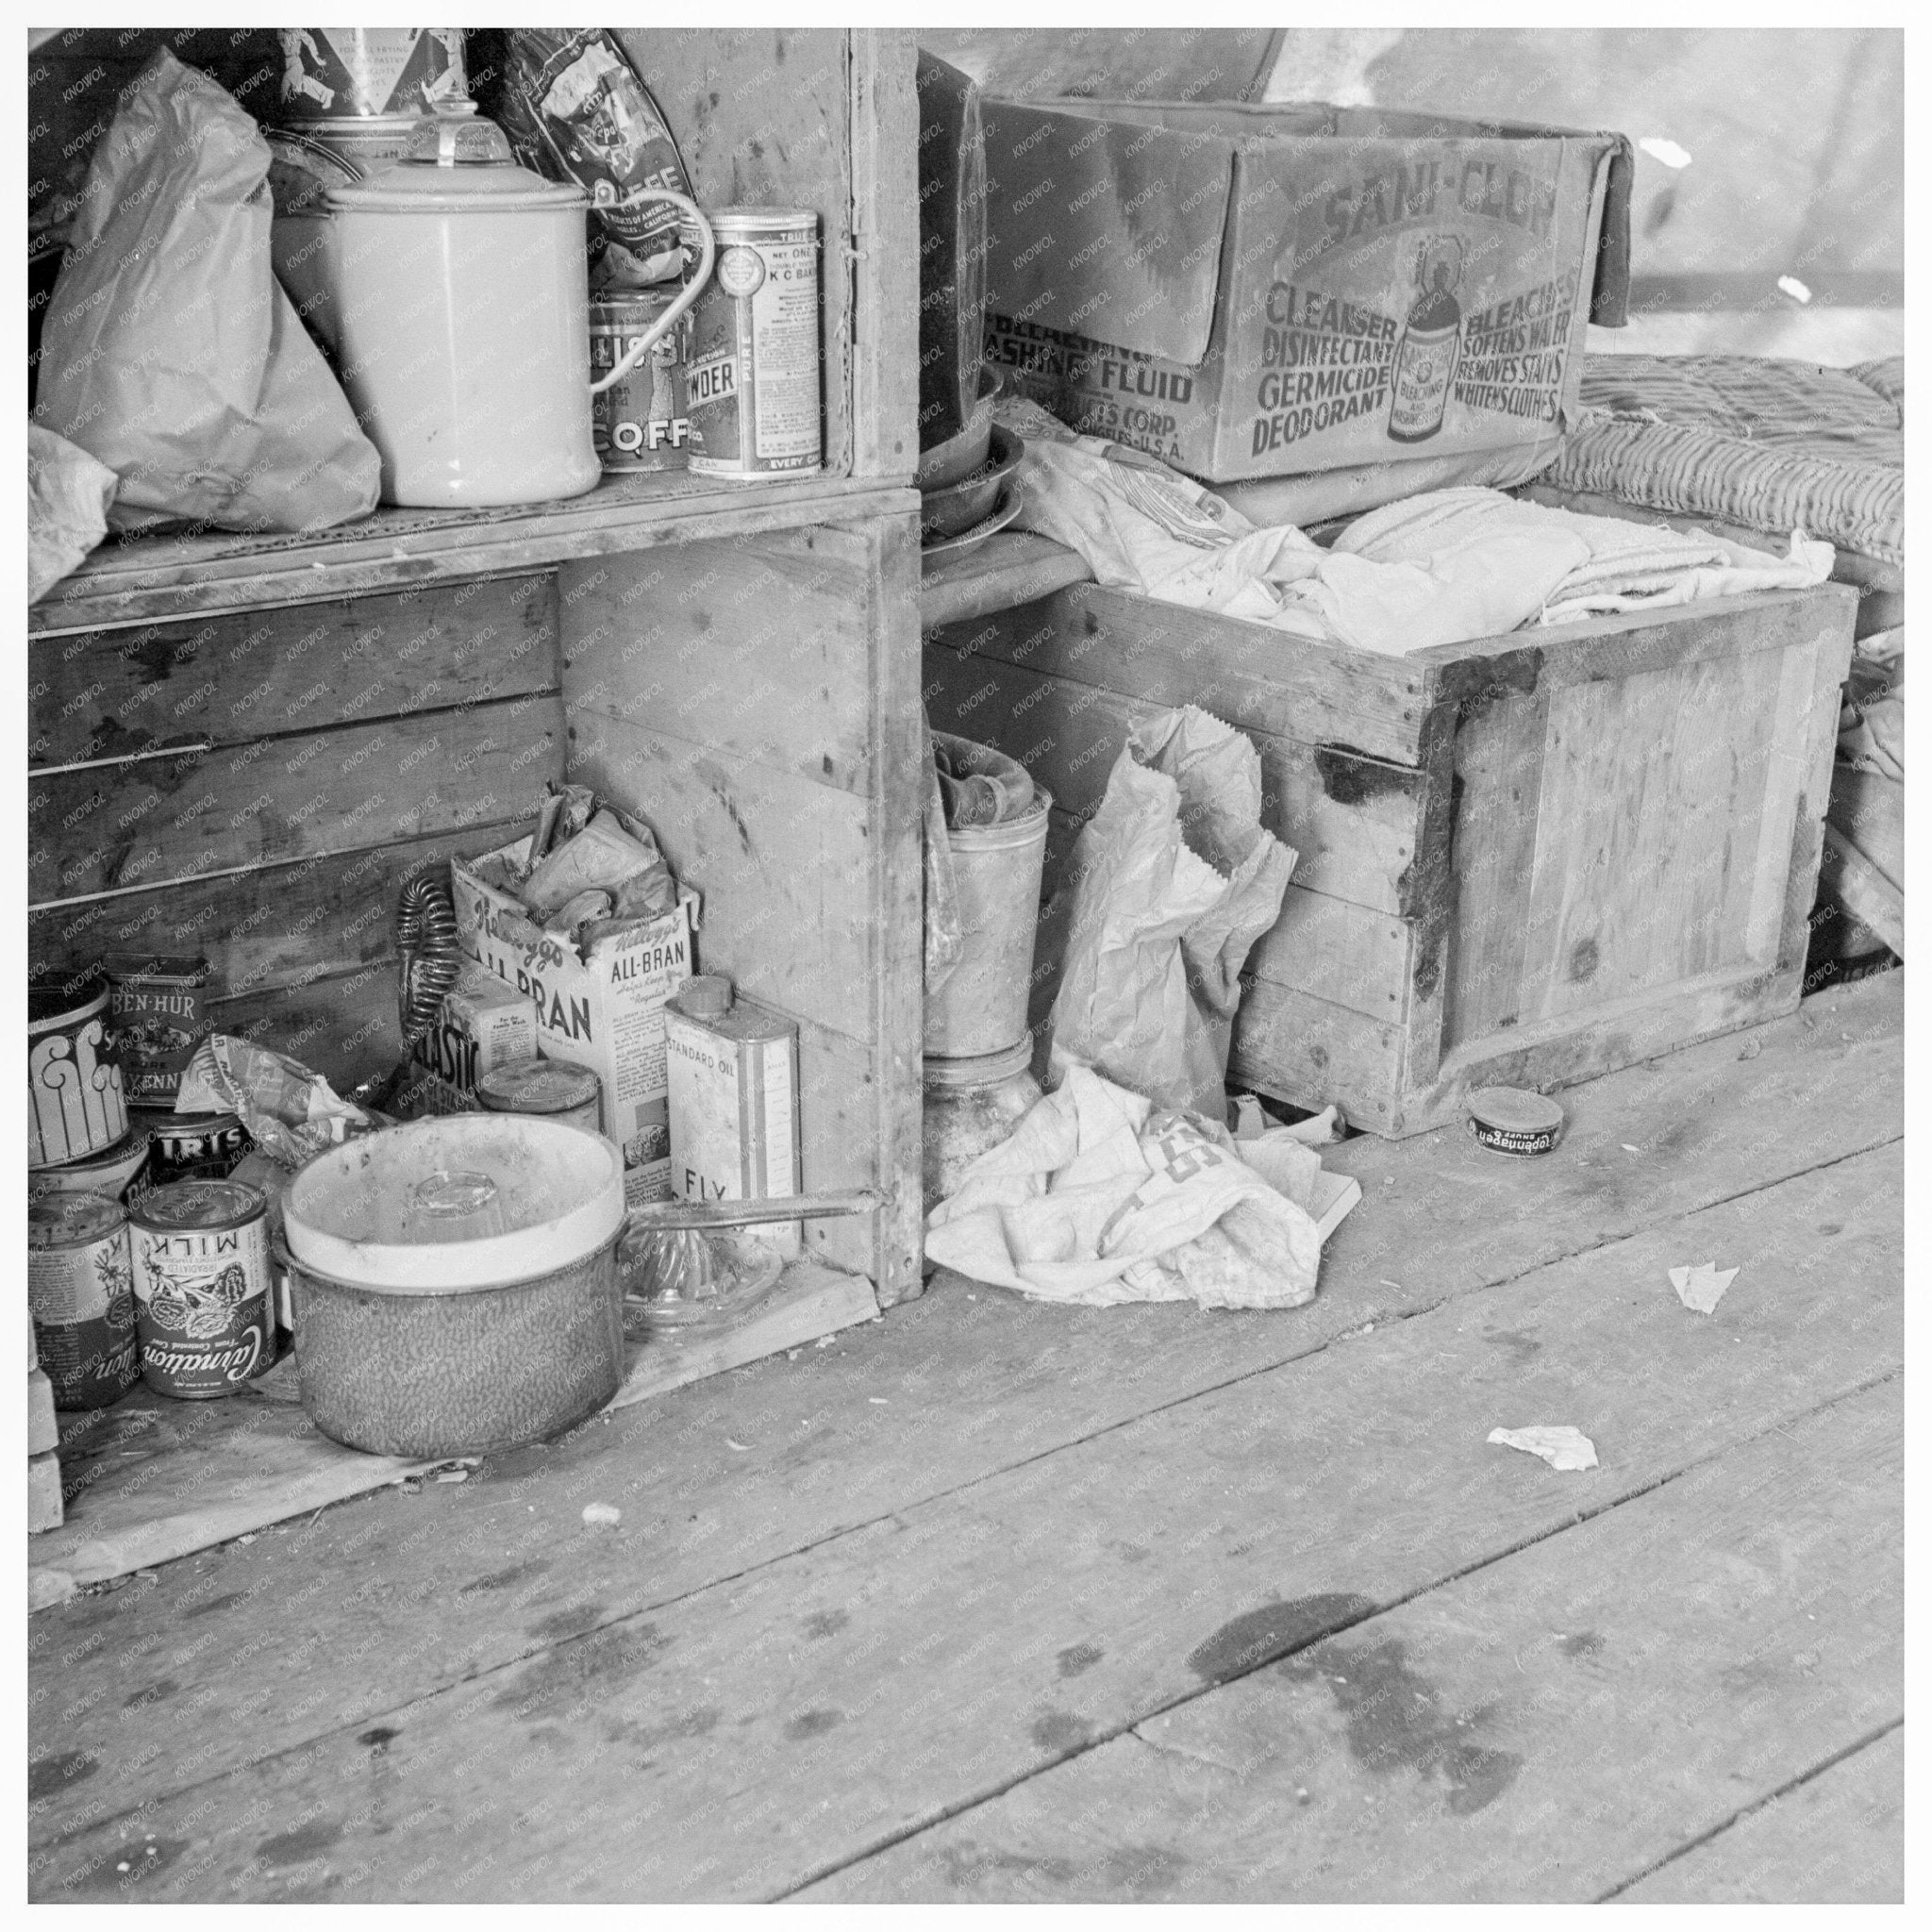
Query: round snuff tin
1513, 1120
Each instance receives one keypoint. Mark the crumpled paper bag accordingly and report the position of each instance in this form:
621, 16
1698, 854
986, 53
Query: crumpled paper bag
68, 492
1178, 878
291, 1112
1098, 1197
171, 353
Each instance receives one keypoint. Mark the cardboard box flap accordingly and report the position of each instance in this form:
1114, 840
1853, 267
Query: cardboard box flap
1066, 191
1169, 63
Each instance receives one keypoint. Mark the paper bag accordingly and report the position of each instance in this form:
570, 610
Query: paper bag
1176, 880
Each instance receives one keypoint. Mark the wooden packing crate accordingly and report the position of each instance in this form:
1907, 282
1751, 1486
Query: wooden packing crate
242, 745
1524, 860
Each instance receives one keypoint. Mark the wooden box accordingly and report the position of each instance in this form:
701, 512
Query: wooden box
242, 745
1524, 860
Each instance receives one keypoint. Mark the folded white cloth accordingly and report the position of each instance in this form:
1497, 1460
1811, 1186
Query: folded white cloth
1441, 567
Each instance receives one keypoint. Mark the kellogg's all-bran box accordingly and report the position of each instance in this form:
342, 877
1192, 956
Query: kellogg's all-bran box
601, 1008
1250, 292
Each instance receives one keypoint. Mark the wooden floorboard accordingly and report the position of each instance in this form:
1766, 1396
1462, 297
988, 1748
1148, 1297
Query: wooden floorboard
1539, 1729
1836, 1837
783, 1723
397, 1597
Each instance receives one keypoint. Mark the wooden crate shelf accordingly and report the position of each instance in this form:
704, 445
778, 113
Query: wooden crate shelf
1526, 859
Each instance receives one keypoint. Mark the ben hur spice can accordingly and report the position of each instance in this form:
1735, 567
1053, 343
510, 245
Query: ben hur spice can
203, 1289
754, 369
641, 421
81, 1288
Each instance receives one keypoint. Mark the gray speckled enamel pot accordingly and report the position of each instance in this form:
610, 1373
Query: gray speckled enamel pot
455, 1285
461, 1373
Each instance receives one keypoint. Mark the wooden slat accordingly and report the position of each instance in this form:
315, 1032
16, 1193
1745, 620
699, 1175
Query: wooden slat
115, 693
1352, 820
783, 864
1137, 1590
1011, 568
1499, 769
1836, 1839
885, 278
1862, 890
329, 914
897, 894
1249, 673
343, 1026
1538, 1730
156, 578
757, 649
143, 823
992, 1383
1311, 1054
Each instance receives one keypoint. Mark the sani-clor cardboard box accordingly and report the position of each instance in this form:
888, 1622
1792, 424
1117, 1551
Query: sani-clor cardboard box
1251, 291
604, 1011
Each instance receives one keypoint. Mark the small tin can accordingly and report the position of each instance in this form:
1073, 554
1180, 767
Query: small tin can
76, 1105
353, 72
732, 1068
80, 1289
753, 373
203, 1289
194, 1146
642, 421
1513, 1120
157, 1005
553, 1088
115, 1173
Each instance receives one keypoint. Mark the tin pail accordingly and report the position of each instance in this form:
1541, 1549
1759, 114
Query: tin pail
981, 1006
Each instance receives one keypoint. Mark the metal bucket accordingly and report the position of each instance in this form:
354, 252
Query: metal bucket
981, 1007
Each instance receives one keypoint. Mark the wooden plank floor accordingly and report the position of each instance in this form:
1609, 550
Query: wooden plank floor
991, 1601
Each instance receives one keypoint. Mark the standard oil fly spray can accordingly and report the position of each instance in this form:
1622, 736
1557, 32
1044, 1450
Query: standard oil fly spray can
732, 1070
754, 369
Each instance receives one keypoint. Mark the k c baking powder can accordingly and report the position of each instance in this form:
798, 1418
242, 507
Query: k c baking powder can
81, 1288
203, 1289
642, 421
754, 357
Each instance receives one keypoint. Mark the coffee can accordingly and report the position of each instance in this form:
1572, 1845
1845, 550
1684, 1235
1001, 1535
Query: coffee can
80, 1290
203, 1288
76, 1105
642, 421
753, 373
553, 1088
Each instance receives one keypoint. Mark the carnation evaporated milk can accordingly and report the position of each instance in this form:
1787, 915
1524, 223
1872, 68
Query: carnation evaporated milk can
80, 1289
202, 1298
753, 373
642, 421
732, 1070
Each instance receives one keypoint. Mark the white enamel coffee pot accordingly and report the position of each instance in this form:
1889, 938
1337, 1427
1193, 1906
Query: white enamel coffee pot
459, 299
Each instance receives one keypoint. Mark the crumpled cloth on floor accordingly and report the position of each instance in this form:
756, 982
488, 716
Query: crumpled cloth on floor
1097, 1197
1441, 567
